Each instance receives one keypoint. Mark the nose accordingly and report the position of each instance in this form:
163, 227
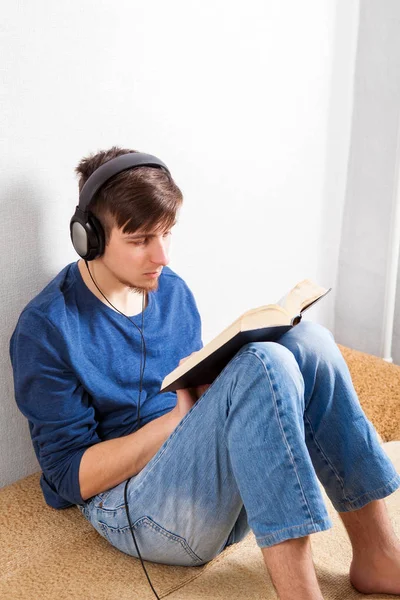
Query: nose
159, 252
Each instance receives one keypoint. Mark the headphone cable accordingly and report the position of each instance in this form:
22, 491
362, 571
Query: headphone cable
142, 351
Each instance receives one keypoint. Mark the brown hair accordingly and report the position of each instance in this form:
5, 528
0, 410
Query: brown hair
139, 199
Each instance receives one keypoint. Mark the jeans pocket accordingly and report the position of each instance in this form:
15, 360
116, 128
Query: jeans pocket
93, 502
99, 500
155, 543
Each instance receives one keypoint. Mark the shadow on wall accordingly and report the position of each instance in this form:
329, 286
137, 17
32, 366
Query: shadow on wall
23, 276
337, 144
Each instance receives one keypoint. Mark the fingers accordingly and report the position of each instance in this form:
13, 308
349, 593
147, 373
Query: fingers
183, 359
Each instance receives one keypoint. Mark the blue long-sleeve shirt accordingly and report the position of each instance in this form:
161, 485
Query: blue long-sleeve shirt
76, 366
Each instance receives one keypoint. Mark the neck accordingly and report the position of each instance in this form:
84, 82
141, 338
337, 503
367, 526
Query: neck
102, 283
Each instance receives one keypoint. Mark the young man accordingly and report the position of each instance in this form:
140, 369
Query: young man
206, 465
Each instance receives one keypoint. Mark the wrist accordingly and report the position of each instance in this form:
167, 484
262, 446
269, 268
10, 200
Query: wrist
173, 419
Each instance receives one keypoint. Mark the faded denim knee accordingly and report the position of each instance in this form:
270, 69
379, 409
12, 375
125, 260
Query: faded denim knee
277, 359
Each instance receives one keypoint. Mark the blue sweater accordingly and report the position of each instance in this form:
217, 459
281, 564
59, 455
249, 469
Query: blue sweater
76, 365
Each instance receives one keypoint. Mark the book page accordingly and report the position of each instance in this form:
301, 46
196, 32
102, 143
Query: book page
282, 301
303, 294
266, 316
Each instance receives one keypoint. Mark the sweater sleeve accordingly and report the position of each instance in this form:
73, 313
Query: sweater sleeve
61, 419
195, 331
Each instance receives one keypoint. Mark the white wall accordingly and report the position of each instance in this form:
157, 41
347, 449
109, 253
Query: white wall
372, 184
248, 104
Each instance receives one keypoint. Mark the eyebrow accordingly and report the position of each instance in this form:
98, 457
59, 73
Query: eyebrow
139, 236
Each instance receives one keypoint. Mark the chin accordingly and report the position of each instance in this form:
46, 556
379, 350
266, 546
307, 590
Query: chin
150, 286
153, 285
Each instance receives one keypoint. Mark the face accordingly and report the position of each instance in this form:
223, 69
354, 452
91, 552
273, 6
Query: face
129, 257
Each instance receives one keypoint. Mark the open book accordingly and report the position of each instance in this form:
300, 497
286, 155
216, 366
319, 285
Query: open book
266, 323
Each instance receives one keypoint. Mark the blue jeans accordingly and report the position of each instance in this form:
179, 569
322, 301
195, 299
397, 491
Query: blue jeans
247, 456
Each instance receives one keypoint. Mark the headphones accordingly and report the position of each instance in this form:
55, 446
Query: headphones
87, 233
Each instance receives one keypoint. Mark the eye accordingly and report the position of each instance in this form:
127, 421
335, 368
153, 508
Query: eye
142, 243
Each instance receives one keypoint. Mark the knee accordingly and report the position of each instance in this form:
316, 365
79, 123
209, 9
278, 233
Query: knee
270, 366
273, 355
314, 340
314, 330
315, 335
271, 349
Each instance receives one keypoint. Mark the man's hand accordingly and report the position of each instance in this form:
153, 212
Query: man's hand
200, 389
187, 397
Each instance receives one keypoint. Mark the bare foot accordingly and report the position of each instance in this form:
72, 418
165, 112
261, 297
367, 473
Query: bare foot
377, 574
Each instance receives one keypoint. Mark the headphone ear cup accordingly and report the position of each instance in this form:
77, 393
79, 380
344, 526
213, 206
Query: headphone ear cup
99, 236
87, 235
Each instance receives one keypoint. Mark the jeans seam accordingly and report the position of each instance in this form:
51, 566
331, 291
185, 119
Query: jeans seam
264, 537
147, 521
339, 479
372, 492
265, 365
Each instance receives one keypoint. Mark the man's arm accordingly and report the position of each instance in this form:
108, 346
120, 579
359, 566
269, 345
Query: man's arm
62, 420
106, 464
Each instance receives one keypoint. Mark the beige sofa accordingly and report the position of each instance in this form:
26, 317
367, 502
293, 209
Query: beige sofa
47, 554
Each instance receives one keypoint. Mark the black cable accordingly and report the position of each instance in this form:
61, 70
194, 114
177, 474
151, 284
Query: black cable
142, 348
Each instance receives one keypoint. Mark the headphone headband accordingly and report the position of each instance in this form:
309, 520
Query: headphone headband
113, 167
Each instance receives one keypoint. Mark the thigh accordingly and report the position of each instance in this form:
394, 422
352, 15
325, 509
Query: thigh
184, 505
